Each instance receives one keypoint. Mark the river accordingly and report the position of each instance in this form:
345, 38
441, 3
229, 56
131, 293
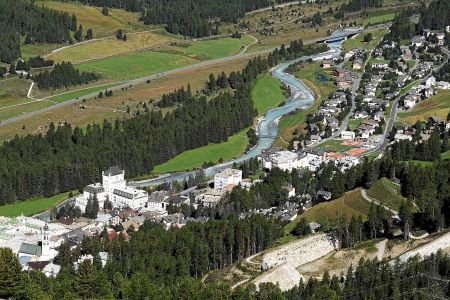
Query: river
302, 97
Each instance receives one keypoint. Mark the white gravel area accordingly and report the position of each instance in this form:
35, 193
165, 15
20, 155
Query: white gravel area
442, 242
283, 261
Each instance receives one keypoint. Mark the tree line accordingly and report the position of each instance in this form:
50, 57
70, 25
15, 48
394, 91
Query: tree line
124, 277
21, 18
63, 75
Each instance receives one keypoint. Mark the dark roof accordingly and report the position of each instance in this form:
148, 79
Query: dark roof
30, 249
38, 265
94, 189
115, 170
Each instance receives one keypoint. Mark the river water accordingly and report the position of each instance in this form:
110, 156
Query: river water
302, 97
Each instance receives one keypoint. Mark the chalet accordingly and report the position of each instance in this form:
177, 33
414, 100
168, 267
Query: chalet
440, 37
315, 138
426, 33
344, 82
371, 123
339, 72
409, 102
357, 64
418, 41
326, 64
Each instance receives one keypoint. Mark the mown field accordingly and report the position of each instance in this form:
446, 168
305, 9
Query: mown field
438, 105
192, 159
326, 213
13, 91
267, 94
309, 75
387, 193
32, 206
358, 40
110, 46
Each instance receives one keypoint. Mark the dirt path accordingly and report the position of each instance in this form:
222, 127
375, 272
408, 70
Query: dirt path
372, 200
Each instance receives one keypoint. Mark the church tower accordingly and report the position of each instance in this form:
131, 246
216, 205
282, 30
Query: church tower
45, 240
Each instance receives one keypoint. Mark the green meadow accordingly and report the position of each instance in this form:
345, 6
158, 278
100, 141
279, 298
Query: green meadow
267, 94
32, 206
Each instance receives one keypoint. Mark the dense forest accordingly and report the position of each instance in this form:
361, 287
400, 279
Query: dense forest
63, 75
194, 18
159, 264
357, 5
37, 24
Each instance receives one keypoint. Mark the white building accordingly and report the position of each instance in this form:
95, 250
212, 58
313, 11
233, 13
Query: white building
129, 197
347, 135
409, 102
284, 160
113, 187
227, 177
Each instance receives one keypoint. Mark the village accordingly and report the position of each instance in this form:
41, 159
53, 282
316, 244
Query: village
357, 120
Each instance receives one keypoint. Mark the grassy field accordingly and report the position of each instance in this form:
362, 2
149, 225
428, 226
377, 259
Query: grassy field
353, 124
358, 40
37, 49
137, 64
92, 17
335, 146
13, 91
192, 159
308, 74
380, 19
387, 193
32, 206
445, 155
10, 112
326, 213
211, 48
438, 105
110, 46
267, 94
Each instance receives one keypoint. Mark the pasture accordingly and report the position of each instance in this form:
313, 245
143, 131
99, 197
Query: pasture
32, 206
358, 40
267, 94
195, 158
111, 46
387, 193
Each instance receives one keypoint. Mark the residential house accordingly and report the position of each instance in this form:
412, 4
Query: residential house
227, 177
347, 135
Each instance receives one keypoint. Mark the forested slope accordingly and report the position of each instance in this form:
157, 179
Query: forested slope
21, 18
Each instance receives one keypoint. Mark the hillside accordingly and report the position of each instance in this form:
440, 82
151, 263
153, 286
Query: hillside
386, 192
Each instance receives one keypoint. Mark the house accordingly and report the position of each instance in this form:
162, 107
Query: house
360, 115
331, 121
371, 123
426, 32
290, 189
315, 138
326, 64
366, 131
441, 38
400, 136
347, 135
344, 82
447, 28
227, 177
314, 226
406, 52
378, 116
357, 64
313, 128
156, 201
409, 102
418, 41
430, 81
323, 195
339, 72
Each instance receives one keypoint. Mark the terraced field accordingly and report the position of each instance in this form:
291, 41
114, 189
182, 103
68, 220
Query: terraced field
387, 193
326, 213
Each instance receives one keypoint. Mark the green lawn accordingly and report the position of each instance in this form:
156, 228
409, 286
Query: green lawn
80, 93
137, 64
353, 124
445, 155
358, 41
32, 206
373, 155
334, 145
387, 193
7, 113
267, 94
326, 213
216, 48
380, 19
192, 159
